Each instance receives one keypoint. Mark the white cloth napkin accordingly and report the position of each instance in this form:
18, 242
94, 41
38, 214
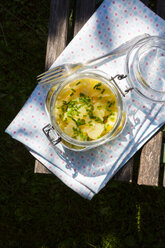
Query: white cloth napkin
87, 172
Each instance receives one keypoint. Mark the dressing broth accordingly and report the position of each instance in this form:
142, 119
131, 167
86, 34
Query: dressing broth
86, 109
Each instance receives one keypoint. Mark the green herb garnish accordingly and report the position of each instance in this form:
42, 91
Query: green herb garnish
80, 122
102, 91
97, 86
99, 107
109, 104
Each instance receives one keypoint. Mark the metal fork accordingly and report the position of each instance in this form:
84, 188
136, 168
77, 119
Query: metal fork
66, 69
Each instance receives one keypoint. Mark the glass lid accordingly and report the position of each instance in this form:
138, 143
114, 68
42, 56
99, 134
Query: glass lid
145, 68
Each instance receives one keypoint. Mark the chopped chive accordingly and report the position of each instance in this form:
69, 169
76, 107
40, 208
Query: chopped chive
78, 83
73, 90
109, 104
64, 102
97, 85
80, 122
98, 119
99, 107
72, 94
82, 94
102, 91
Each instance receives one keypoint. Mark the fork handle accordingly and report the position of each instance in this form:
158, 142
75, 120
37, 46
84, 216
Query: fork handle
122, 49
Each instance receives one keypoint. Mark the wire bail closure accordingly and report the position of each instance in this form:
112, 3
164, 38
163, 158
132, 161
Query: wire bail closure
51, 134
120, 77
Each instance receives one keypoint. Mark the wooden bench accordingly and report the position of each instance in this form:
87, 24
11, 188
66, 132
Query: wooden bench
61, 31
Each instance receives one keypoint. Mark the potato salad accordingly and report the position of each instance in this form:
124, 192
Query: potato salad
86, 109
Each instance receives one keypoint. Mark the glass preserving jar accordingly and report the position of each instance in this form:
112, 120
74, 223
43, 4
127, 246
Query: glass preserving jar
118, 124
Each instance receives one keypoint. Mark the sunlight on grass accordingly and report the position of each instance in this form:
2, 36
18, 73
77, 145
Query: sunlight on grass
138, 217
91, 245
110, 241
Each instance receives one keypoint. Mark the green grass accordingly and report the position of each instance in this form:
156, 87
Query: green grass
39, 211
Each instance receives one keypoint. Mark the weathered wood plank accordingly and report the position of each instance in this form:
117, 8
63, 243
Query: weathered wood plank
161, 13
150, 161
163, 161
40, 168
57, 36
164, 178
58, 27
84, 10
151, 152
125, 174
160, 8
145, 2
57, 40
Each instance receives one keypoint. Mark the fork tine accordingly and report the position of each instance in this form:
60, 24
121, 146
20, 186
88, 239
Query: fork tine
53, 78
46, 78
50, 71
50, 75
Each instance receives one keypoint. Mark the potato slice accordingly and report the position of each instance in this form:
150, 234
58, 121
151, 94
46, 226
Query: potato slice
99, 110
69, 128
95, 131
84, 87
64, 94
83, 112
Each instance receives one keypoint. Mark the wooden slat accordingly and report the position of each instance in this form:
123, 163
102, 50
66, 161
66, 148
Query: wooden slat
151, 152
145, 2
84, 10
40, 168
163, 160
161, 13
57, 39
125, 174
57, 36
150, 161
160, 8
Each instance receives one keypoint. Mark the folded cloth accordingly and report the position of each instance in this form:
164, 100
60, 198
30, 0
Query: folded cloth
87, 172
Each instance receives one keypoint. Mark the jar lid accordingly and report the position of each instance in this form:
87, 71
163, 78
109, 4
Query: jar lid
145, 68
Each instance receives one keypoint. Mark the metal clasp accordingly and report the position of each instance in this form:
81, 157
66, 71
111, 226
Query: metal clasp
120, 77
52, 136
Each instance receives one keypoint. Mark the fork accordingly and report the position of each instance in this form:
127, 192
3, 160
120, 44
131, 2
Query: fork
64, 70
